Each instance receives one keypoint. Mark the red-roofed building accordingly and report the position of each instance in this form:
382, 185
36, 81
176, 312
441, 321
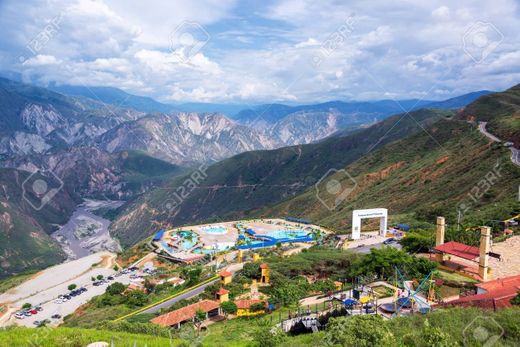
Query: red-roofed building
225, 277
187, 313
244, 307
459, 250
493, 294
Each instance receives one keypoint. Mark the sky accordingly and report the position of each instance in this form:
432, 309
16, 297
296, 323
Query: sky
293, 51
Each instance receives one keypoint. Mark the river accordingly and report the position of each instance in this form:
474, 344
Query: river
85, 232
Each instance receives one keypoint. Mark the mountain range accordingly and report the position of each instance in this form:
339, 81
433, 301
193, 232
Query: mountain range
119, 146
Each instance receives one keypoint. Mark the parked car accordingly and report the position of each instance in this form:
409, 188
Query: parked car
83, 289
56, 316
27, 313
58, 301
37, 322
19, 315
110, 278
389, 241
39, 308
33, 311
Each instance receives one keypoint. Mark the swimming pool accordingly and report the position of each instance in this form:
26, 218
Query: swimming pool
218, 247
287, 233
189, 239
214, 230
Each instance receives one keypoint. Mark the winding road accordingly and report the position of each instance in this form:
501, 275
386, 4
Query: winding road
515, 153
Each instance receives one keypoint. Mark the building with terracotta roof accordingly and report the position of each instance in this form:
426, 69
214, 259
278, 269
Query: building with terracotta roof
493, 294
222, 295
188, 313
244, 307
225, 277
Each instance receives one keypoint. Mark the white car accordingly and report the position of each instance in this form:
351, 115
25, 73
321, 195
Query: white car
19, 315
58, 301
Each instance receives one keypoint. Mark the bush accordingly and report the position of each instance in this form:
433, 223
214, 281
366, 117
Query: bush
116, 288
229, 307
366, 330
72, 287
136, 298
257, 307
418, 241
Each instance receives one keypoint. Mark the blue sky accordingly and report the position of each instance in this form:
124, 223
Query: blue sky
266, 51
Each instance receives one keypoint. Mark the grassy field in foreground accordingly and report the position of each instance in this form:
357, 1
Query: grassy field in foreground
49, 337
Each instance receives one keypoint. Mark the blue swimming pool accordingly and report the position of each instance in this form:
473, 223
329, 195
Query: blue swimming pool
214, 230
253, 240
189, 239
288, 233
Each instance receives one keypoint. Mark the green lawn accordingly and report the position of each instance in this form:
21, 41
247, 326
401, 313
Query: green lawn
52, 337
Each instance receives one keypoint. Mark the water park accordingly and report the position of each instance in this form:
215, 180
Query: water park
191, 243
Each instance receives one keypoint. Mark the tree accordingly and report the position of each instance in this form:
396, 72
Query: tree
228, 307
418, 241
257, 307
191, 274
362, 331
251, 270
136, 298
116, 288
516, 299
200, 316
26, 306
433, 336
72, 286
116, 268
149, 285
99, 277
93, 279
265, 335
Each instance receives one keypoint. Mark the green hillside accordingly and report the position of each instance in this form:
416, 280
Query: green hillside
501, 111
432, 171
24, 240
249, 181
25, 243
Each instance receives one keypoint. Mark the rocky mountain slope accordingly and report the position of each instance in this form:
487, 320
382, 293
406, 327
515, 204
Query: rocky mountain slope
292, 125
185, 138
249, 181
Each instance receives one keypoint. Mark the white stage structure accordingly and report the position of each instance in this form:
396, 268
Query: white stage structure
358, 215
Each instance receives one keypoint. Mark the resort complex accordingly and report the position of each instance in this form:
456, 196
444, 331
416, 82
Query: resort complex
192, 243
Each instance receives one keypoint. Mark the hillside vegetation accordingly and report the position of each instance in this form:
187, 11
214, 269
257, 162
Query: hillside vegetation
435, 170
501, 111
249, 181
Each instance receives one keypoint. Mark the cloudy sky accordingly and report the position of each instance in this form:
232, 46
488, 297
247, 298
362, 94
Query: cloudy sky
263, 51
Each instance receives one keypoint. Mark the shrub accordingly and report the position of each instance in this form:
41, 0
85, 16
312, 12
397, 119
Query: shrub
366, 330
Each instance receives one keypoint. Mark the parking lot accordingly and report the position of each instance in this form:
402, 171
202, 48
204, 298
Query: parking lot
49, 290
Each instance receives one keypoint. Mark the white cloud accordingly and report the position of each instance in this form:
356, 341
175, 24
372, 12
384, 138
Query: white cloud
262, 52
41, 60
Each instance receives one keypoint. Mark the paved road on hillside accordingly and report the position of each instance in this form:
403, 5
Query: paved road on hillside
232, 268
515, 153
184, 296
